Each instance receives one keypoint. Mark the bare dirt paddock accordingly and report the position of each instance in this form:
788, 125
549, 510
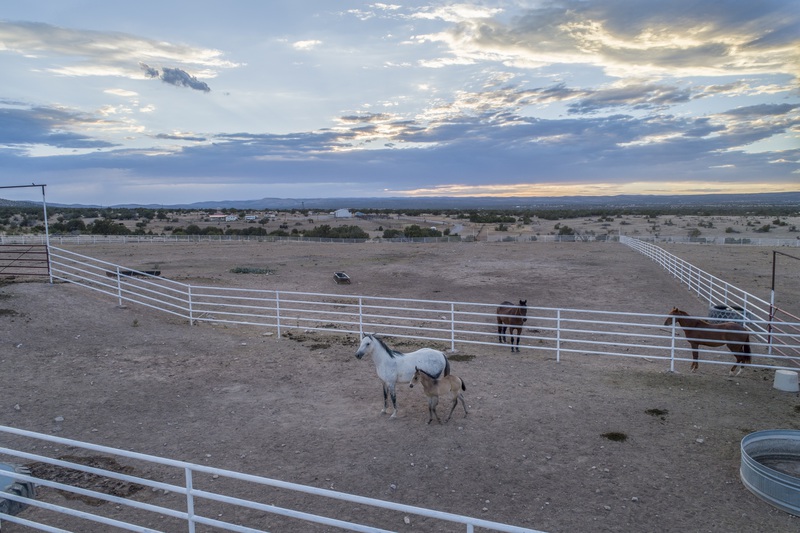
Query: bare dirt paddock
533, 452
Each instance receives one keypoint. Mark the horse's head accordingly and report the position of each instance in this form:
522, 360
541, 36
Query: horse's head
523, 309
415, 379
675, 312
364, 347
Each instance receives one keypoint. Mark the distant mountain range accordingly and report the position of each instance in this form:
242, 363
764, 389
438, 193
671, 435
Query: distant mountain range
447, 202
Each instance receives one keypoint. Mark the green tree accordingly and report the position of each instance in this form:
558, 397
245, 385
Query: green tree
107, 226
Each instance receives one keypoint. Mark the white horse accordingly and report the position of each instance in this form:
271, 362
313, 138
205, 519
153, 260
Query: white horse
396, 367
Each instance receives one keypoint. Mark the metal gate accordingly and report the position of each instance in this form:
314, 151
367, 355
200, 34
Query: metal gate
24, 260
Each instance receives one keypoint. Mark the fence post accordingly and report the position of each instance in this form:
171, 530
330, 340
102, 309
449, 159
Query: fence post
558, 336
360, 317
119, 287
189, 500
278, 311
452, 327
673, 330
191, 310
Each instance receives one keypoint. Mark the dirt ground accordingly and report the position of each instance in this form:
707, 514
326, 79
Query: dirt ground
536, 450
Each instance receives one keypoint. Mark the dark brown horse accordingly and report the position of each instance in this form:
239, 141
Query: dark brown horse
701, 333
511, 317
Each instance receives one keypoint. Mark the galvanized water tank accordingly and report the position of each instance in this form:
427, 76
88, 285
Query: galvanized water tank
770, 467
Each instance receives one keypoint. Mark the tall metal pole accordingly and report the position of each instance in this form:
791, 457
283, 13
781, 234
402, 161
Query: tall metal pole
772, 292
47, 235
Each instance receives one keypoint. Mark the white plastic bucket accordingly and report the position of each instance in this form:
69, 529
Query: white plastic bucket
786, 380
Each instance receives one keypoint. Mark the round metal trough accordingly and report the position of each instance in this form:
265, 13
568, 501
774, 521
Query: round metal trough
770, 467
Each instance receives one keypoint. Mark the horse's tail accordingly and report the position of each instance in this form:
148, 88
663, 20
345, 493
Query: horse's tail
746, 349
446, 371
463, 385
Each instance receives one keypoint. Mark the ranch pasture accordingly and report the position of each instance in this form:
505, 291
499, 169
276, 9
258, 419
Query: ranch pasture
587, 444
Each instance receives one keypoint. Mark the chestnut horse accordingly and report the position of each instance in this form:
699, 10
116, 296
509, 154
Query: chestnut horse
702, 333
511, 317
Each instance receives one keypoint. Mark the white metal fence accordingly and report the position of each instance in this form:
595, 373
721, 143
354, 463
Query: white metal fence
201, 501
63, 240
774, 326
550, 330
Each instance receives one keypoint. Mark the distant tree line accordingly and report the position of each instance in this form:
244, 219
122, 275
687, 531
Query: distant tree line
28, 218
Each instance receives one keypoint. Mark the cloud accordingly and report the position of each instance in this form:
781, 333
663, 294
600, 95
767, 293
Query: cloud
94, 53
306, 45
175, 76
179, 137
763, 110
180, 78
633, 95
149, 71
23, 128
121, 92
681, 37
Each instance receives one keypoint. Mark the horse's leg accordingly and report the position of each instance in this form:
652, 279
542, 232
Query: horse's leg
694, 356
452, 408
737, 350
432, 403
519, 334
385, 399
501, 332
463, 404
393, 396
745, 358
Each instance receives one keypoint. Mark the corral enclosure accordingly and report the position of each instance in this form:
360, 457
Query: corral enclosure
535, 450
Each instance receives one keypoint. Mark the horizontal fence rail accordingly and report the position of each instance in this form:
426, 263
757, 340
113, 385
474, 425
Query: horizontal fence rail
774, 326
205, 496
554, 331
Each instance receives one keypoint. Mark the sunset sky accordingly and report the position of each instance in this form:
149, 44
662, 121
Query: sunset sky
178, 102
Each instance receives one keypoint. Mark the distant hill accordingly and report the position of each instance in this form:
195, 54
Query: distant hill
453, 203
18, 203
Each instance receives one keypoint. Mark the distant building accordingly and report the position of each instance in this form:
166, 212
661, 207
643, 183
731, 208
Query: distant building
251, 217
231, 218
342, 213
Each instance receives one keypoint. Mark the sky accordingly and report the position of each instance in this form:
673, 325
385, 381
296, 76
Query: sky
171, 102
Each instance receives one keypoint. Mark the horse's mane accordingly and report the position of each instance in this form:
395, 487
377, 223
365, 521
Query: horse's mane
391, 352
